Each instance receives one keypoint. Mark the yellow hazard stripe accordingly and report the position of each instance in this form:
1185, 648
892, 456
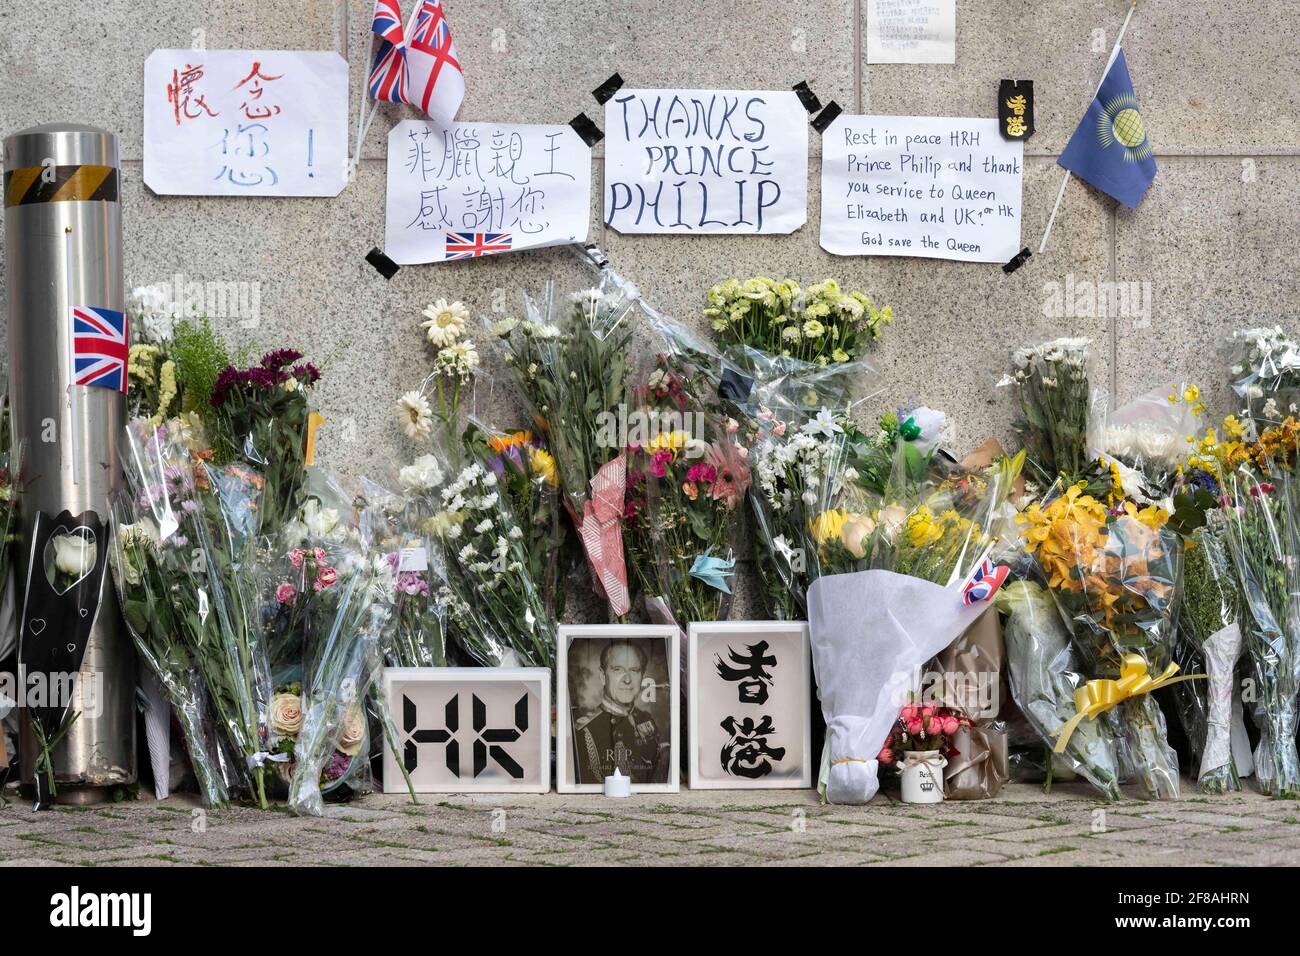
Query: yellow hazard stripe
36, 184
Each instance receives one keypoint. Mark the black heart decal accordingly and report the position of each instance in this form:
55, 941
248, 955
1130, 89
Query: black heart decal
70, 556
36, 625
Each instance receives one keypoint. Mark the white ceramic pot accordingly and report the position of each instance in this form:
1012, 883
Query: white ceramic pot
922, 773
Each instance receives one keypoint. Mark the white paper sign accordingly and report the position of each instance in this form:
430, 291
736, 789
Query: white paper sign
245, 122
412, 559
706, 161
475, 189
911, 31
930, 186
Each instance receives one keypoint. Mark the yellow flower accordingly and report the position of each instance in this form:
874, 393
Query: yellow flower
1233, 428
673, 441
542, 463
828, 525
1191, 394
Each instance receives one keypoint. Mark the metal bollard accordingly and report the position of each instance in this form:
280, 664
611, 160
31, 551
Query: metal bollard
63, 249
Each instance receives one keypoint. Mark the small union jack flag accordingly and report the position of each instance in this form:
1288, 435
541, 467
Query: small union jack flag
984, 583
437, 91
99, 349
388, 75
471, 245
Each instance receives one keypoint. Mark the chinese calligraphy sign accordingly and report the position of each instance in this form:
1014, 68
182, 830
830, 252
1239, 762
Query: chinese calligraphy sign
466, 190
245, 122
750, 696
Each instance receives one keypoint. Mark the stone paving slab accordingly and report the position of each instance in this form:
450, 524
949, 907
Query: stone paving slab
1024, 827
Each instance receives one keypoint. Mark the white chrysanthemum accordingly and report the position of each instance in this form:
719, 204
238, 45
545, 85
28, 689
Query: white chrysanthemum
423, 474
416, 415
445, 322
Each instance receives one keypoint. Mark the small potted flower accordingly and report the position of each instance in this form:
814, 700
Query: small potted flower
920, 745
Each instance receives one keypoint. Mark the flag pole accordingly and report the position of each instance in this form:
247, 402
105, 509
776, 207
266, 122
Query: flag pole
1047, 233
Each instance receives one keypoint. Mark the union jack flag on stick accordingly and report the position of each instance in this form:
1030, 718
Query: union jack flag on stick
388, 75
99, 349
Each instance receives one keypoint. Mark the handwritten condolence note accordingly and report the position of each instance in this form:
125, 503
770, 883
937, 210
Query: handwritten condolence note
705, 161
911, 31
473, 189
928, 186
245, 122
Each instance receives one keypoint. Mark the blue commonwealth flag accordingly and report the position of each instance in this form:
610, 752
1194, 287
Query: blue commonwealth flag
1110, 149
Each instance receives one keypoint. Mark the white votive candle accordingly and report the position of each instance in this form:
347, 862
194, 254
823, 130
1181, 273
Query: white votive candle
617, 785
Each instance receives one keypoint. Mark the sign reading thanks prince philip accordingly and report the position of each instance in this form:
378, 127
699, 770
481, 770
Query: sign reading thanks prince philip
695, 162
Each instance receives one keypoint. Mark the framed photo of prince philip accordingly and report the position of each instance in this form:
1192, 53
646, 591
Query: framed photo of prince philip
617, 706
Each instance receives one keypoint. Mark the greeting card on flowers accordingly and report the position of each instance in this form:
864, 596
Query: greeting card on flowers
466, 190
245, 122
930, 186
694, 162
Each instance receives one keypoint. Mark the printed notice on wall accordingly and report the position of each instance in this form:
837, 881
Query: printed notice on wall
911, 31
476, 189
694, 162
928, 186
245, 122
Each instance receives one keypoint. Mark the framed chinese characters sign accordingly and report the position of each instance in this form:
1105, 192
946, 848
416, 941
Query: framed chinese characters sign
470, 729
617, 706
750, 696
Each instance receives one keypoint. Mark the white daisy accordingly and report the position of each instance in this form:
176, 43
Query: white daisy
444, 322
416, 415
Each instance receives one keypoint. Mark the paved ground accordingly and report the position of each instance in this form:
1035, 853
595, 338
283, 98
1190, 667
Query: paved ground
1024, 827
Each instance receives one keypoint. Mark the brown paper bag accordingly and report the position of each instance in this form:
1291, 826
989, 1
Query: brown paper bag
973, 665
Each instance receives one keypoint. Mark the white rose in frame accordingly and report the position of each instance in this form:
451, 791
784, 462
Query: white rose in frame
73, 554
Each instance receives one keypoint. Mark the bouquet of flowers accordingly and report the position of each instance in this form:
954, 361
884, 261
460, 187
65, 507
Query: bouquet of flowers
331, 737
820, 325
1044, 675
495, 607
1266, 374
439, 397
570, 360
1056, 406
1263, 537
1208, 619
1146, 440
1114, 574
921, 729
417, 627
684, 492
260, 414
204, 518
143, 570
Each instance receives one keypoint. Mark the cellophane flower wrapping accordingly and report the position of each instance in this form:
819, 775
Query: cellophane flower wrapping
205, 519
1265, 374
338, 678
1146, 440
1114, 574
11, 456
1044, 673
155, 619
1262, 530
571, 361
1208, 619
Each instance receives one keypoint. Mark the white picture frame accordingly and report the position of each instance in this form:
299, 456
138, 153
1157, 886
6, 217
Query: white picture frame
792, 771
667, 693
534, 759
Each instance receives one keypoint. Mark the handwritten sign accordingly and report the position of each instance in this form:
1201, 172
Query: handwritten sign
706, 161
466, 190
911, 31
245, 122
928, 186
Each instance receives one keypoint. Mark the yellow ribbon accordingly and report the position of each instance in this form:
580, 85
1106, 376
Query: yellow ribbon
836, 763
1098, 696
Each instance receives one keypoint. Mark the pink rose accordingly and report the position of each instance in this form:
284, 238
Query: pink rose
296, 556
950, 724
908, 712
914, 726
326, 576
886, 756
779, 429
286, 593
928, 710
